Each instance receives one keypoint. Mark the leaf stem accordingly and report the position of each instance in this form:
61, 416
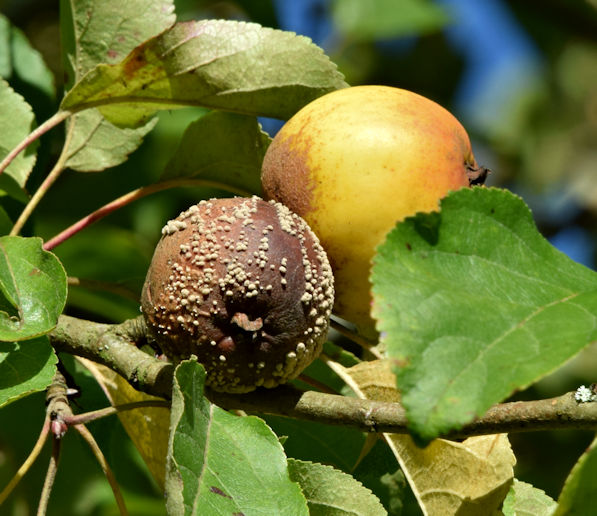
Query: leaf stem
44, 187
133, 196
86, 434
43, 436
46, 491
50, 123
80, 419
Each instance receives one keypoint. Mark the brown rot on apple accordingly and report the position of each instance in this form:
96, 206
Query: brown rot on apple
244, 285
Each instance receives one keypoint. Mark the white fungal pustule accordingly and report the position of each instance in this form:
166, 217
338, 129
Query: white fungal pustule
245, 286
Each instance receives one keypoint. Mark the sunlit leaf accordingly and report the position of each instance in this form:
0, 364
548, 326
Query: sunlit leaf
219, 463
25, 367
96, 144
330, 491
104, 32
526, 500
473, 303
224, 147
580, 489
16, 122
235, 66
32, 288
447, 477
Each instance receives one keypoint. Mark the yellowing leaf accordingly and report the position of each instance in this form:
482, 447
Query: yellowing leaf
467, 478
147, 427
220, 64
104, 32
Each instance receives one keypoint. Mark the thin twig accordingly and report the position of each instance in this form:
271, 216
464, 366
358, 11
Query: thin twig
87, 417
50, 123
50, 179
86, 434
133, 196
41, 440
36, 198
50, 477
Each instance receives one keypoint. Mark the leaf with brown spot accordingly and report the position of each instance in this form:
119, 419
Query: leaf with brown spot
105, 32
222, 64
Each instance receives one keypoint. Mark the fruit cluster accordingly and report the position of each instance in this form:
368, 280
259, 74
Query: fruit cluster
246, 286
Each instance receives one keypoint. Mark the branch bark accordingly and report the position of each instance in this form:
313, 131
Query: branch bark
115, 347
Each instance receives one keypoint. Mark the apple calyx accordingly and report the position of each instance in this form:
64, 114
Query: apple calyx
476, 175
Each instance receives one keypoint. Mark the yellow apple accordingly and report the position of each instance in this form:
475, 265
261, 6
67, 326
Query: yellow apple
354, 162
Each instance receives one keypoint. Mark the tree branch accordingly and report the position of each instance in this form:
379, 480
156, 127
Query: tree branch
113, 346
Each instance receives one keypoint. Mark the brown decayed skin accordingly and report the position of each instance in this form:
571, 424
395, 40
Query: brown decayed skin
245, 286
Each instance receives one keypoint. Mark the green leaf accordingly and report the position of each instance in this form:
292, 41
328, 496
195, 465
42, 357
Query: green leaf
32, 288
25, 367
580, 490
526, 500
377, 19
473, 304
235, 66
223, 147
223, 464
104, 32
96, 144
18, 58
16, 122
331, 492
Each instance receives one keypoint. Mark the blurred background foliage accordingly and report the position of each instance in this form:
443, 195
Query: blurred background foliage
520, 75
